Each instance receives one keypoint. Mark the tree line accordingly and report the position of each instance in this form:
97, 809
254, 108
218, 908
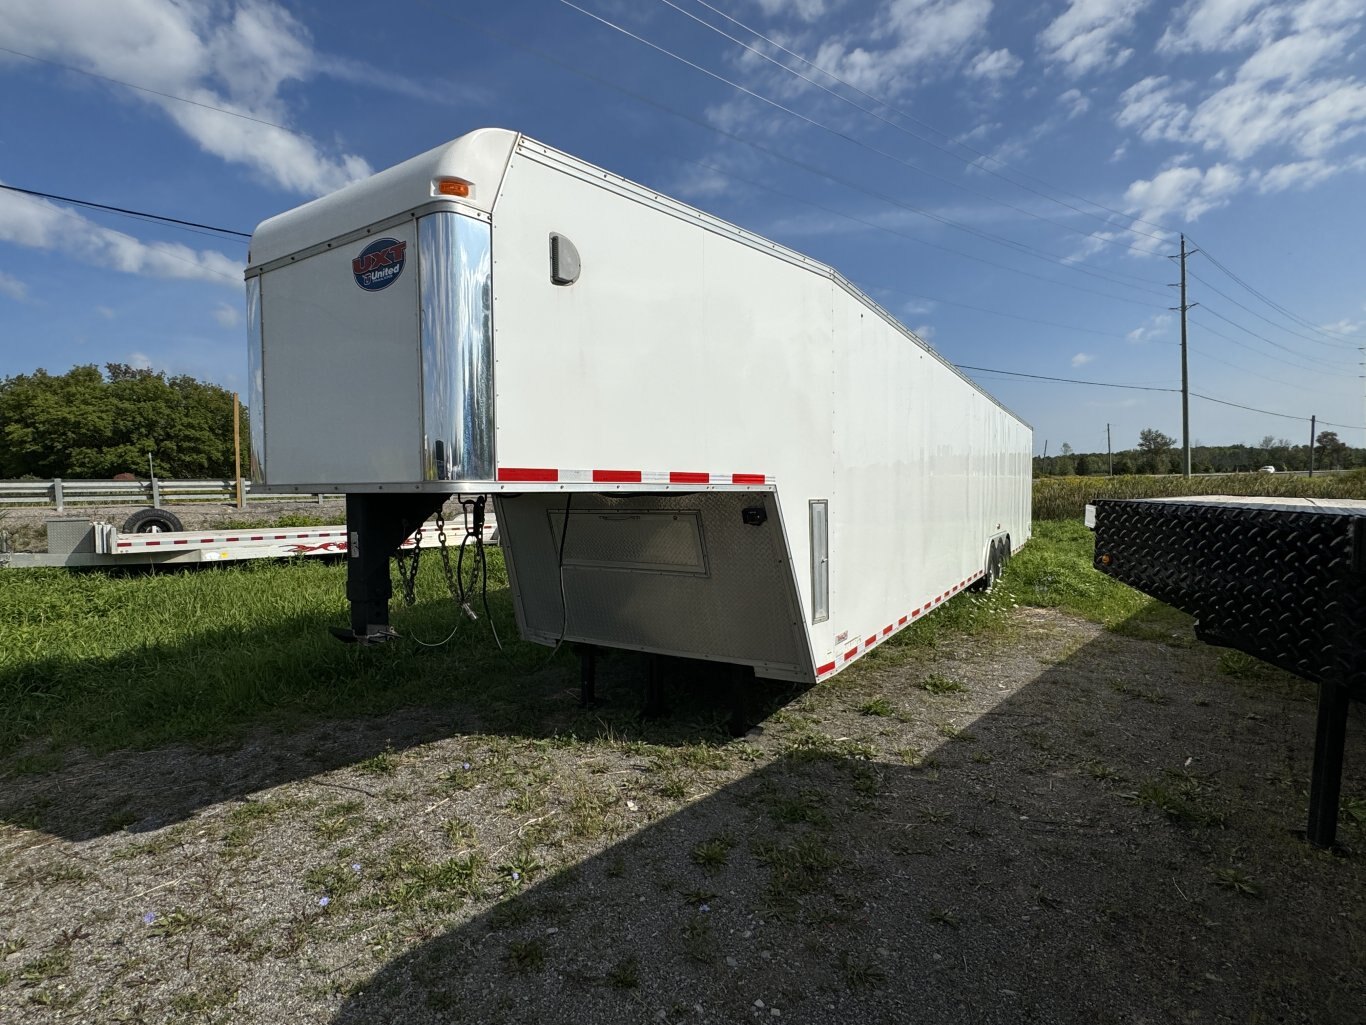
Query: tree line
91, 424
1157, 452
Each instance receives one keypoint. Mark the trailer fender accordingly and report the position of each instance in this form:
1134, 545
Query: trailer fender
995, 554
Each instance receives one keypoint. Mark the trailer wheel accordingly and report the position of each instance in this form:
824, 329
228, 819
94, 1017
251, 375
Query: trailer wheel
151, 521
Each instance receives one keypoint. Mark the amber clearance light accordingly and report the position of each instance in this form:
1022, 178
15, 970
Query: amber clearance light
452, 187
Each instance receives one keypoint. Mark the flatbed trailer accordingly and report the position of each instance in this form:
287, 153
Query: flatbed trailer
78, 543
1281, 579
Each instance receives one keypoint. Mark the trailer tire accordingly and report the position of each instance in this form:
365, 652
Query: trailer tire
151, 521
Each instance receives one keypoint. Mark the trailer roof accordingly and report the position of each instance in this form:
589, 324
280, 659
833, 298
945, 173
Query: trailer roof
481, 158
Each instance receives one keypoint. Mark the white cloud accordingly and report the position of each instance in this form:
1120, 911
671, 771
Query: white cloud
1204, 25
925, 332
139, 361
28, 221
106, 312
228, 316
1082, 358
1186, 192
1074, 103
1303, 174
1284, 94
994, 65
1156, 327
233, 55
902, 42
13, 287
806, 10
1343, 327
1149, 106
1086, 37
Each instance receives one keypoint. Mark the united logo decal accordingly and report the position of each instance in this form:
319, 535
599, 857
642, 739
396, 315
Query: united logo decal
379, 264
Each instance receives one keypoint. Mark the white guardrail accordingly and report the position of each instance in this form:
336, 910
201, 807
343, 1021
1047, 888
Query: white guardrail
58, 493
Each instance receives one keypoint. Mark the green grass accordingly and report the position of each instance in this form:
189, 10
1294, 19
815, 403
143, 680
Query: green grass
1061, 498
140, 660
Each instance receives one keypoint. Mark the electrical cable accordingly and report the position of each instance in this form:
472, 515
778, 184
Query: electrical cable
140, 215
902, 128
775, 154
1289, 314
978, 154
1255, 351
1020, 247
145, 89
1138, 387
1339, 345
1278, 345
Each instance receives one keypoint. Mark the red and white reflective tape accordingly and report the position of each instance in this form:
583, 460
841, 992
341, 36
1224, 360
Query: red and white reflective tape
546, 475
161, 541
860, 648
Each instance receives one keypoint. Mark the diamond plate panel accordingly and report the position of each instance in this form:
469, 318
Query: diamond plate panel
739, 607
1283, 584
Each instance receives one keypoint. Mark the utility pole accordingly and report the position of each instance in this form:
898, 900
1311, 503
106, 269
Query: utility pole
1109, 451
1185, 370
237, 446
1313, 429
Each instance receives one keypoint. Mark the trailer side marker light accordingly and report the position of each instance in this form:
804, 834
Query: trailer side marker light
452, 187
1105, 560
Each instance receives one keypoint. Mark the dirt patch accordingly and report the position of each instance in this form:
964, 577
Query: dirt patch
1057, 824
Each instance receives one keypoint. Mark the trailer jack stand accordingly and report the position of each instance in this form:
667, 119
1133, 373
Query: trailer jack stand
376, 524
588, 676
373, 635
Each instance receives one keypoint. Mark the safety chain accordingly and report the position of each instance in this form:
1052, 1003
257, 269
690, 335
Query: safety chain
407, 568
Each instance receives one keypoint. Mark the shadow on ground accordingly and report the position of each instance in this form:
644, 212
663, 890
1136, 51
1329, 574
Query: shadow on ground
1111, 842
294, 707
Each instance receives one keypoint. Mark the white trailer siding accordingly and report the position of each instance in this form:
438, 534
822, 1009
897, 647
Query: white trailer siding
687, 346
690, 358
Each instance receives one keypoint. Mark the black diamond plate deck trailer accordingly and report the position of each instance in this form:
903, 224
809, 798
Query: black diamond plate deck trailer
1280, 579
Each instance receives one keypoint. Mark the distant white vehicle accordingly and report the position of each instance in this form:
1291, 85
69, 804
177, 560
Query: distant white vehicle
1266, 469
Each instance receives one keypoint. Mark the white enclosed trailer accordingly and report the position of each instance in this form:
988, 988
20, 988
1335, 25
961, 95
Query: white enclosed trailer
698, 442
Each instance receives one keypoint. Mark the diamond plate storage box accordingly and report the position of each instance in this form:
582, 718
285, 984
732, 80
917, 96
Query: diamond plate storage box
1281, 579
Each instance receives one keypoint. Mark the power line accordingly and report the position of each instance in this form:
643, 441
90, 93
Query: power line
145, 89
1278, 345
1266, 299
902, 128
775, 154
1020, 247
1139, 387
1255, 351
1280, 327
141, 215
962, 145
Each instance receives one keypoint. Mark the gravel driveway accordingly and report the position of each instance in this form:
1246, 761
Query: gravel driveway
1054, 823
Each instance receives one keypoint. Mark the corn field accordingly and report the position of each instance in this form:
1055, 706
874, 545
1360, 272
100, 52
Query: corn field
1063, 498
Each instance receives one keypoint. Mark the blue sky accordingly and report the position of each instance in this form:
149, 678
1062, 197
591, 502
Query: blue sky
1006, 179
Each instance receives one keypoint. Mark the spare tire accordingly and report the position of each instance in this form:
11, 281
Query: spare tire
151, 521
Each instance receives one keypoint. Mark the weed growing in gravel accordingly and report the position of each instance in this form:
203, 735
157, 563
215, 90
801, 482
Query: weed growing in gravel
1181, 798
805, 806
625, 974
1239, 882
953, 732
525, 955
860, 974
714, 853
937, 683
798, 868
699, 942
877, 707
383, 764
941, 916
